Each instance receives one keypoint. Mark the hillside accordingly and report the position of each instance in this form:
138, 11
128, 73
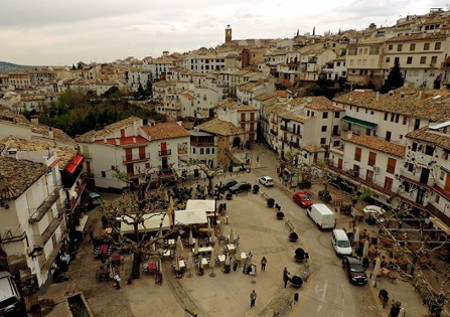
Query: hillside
6, 67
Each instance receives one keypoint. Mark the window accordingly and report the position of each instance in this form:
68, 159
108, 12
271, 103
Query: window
401, 137
429, 150
212, 150
207, 150
405, 120
388, 183
369, 176
412, 47
433, 59
391, 165
390, 47
409, 60
323, 141
426, 46
417, 124
437, 196
358, 154
414, 147
388, 135
325, 115
437, 46
397, 60
442, 175
386, 116
103, 174
324, 128
397, 118
193, 150
337, 114
372, 158
399, 47
423, 60
201, 151
388, 59
392, 117
147, 165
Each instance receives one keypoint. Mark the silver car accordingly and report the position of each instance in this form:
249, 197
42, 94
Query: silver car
266, 181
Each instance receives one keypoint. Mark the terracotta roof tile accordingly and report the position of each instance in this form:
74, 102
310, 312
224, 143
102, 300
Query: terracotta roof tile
425, 134
167, 130
90, 136
18, 175
220, 127
64, 154
425, 106
377, 144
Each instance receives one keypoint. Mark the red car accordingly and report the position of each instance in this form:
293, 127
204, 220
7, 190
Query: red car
302, 199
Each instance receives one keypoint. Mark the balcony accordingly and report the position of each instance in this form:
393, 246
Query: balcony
39, 212
165, 152
135, 158
48, 232
75, 200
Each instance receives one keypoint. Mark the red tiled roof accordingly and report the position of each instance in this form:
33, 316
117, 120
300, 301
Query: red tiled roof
377, 144
167, 130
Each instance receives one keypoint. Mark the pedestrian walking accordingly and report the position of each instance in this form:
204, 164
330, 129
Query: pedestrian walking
252, 299
235, 264
285, 277
263, 263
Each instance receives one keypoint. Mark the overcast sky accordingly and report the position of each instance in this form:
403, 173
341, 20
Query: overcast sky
63, 32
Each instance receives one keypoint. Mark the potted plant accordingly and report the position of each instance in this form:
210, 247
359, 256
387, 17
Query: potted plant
270, 202
293, 236
229, 196
395, 309
255, 189
299, 255
280, 215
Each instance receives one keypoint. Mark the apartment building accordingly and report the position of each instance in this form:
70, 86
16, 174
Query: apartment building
129, 146
245, 116
364, 62
420, 57
204, 148
426, 173
33, 218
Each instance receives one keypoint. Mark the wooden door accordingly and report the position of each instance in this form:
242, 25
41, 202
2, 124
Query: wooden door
340, 163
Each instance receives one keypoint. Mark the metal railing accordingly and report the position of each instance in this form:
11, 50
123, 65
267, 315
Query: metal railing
134, 158
165, 152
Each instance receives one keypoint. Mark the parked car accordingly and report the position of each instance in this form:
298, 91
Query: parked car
322, 216
241, 187
266, 181
341, 242
355, 271
302, 199
226, 184
10, 300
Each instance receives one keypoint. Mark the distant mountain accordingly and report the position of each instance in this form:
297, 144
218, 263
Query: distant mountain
10, 67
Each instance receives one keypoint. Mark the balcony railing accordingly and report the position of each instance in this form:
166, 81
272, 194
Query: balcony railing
165, 152
39, 212
136, 158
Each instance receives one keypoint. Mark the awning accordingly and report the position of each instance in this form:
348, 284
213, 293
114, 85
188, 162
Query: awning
77, 159
362, 123
190, 217
440, 225
71, 168
199, 204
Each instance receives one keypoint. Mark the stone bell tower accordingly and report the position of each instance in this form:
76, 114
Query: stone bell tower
228, 36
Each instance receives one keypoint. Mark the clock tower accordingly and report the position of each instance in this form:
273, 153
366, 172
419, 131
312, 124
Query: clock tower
228, 34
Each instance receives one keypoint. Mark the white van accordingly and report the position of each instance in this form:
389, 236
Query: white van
341, 243
10, 300
323, 217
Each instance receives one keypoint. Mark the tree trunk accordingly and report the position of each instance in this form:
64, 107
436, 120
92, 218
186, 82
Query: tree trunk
135, 271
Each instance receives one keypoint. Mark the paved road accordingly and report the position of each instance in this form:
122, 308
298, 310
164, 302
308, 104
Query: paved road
330, 294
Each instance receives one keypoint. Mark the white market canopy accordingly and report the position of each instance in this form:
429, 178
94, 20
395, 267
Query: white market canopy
152, 222
208, 205
190, 217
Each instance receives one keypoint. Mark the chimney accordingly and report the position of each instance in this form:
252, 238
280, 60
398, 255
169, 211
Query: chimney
151, 123
134, 139
104, 140
349, 134
117, 142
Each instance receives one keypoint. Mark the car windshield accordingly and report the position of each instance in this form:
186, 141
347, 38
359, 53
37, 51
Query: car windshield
343, 244
304, 198
357, 269
269, 180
